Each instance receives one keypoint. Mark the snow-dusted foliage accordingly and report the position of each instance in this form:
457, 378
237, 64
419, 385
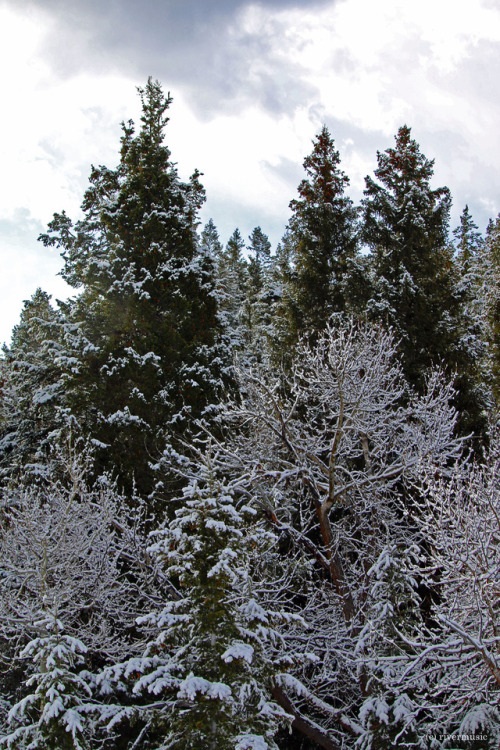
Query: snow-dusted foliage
66, 601
414, 282
323, 239
143, 359
55, 712
31, 390
207, 674
329, 451
459, 653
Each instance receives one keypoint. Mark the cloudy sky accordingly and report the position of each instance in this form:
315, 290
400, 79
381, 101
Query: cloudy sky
252, 83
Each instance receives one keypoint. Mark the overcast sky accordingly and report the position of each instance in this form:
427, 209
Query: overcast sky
252, 84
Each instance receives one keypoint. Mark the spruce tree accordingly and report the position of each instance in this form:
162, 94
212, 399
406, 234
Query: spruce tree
232, 275
406, 228
257, 309
323, 237
406, 225
208, 671
467, 240
32, 389
492, 296
210, 241
473, 266
143, 361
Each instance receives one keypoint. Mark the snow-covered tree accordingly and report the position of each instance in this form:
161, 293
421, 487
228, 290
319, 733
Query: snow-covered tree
329, 450
457, 657
405, 226
143, 359
323, 235
232, 276
32, 389
491, 294
215, 650
210, 240
259, 297
54, 714
72, 581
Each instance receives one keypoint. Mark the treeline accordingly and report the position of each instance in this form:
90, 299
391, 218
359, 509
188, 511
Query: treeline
250, 498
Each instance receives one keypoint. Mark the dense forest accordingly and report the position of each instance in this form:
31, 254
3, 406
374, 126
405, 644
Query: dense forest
250, 497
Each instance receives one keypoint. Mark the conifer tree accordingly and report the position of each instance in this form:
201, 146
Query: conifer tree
492, 296
323, 236
32, 389
406, 225
143, 359
474, 270
210, 241
406, 228
54, 715
214, 649
232, 274
467, 239
259, 297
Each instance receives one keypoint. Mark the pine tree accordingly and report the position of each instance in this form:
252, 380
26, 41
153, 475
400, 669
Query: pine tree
323, 236
143, 360
232, 275
214, 649
210, 241
415, 283
406, 228
492, 296
32, 389
257, 308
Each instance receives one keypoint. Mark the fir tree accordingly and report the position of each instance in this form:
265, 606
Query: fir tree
143, 360
54, 714
492, 296
210, 241
406, 228
323, 237
257, 312
214, 650
232, 278
32, 389
467, 240
415, 285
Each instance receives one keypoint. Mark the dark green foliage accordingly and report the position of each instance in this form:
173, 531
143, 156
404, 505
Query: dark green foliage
232, 275
468, 240
414, 276
143, 361
492, 293
257, 311
323, 242
31, 389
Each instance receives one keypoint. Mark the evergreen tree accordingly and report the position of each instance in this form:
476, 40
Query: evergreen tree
55, 714
143, 360
406, 228
32, 389
232, 275
473, 268
257, 313
323, 237
214, 649
468, 240
415, 283
492, 296
210, 241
